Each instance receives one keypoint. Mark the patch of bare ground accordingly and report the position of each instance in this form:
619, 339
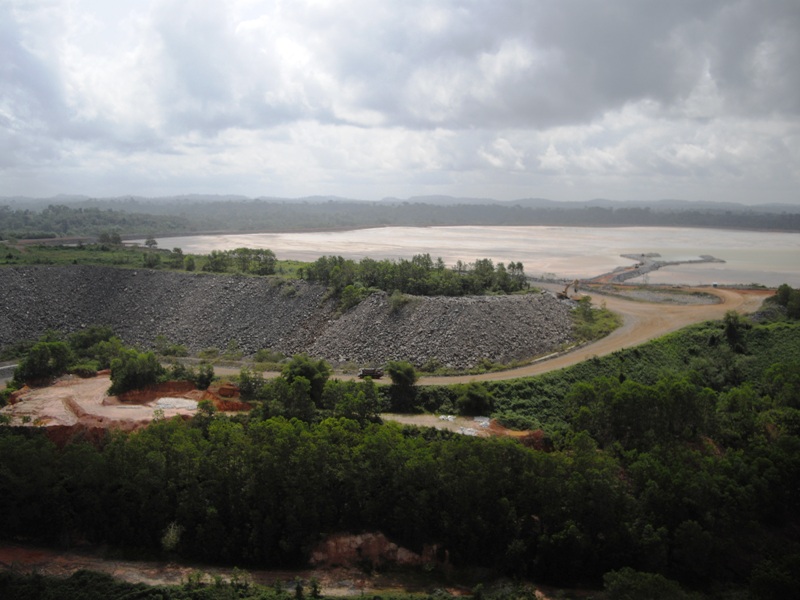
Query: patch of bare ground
334, 582
474, 426
75, 401
73, 405
666, 295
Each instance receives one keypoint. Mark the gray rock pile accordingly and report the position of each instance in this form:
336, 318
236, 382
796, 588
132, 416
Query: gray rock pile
452, 332
202, 311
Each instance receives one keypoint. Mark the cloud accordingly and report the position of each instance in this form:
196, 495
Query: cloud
626, 97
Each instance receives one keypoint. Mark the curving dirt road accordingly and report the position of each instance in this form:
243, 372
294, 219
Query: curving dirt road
642, 321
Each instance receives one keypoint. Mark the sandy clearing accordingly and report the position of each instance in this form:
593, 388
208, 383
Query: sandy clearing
74, 400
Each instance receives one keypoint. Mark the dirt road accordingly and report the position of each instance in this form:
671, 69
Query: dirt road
642, 321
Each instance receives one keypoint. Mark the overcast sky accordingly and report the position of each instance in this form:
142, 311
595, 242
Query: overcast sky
563, 99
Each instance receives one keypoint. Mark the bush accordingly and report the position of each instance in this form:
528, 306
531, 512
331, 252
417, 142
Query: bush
629, 584
164, 347
351, 296
397, 301
592, 323
265, 355
86, 368
474, 400
133, 370
45, 360
204, 376
208, 353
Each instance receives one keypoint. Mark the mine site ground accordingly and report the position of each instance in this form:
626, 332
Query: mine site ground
75, 403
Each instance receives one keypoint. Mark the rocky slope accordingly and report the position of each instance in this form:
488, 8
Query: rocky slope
202, 311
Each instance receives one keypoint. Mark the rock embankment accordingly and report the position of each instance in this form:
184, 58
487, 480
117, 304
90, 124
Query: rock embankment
202, 311
451, 332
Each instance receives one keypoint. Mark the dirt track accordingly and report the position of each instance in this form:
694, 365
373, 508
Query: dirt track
642, 321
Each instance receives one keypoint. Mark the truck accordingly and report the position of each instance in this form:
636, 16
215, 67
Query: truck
374, 372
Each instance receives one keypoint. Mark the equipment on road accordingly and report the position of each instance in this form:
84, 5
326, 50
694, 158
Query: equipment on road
565, 294
375, 373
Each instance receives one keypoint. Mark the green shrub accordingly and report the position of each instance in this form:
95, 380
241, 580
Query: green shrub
208, 353
351, 296
45, 360
265, 355
397, 301
204, 376
86, 368
133, 370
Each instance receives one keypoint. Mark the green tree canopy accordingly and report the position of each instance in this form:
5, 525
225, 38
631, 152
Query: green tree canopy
316, 372
45, 360
134, 370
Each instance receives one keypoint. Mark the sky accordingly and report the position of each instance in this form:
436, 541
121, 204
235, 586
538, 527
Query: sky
506, 99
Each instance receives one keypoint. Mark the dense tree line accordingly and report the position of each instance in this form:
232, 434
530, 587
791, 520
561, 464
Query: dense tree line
58, 220
720, 355
420, 276
91, 217
264, 491
257, 261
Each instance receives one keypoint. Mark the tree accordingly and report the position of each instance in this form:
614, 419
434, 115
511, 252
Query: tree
359, 401
263, 262
217, 262
483, 272
44, 361
735, 325
150, 242
404, 377
84, 341
134, 370
250, 383
204, 376
176, 258
316, 372
474, 400
151, 260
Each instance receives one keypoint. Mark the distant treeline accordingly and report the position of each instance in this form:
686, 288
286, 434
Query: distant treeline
64, 221
143, 218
